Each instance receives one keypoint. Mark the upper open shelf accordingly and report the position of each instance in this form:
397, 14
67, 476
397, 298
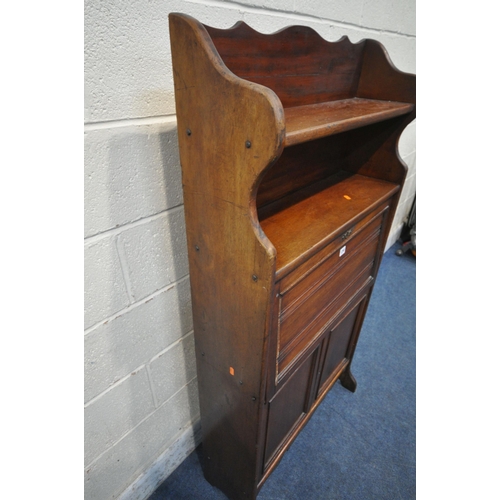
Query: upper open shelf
324, 87
306, 123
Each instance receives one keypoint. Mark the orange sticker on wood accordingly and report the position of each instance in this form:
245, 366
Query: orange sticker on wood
347, 197
231, 370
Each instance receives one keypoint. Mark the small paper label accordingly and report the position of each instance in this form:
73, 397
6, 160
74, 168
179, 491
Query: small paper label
342, 251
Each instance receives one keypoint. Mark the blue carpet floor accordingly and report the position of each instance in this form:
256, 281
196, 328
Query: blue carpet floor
357, 446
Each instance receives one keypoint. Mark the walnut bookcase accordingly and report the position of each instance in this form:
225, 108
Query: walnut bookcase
291, 176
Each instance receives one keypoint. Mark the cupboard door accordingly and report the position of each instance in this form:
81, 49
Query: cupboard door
290, 405
339, 339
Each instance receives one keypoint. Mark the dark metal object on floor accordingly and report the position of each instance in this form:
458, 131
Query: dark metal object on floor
409, 234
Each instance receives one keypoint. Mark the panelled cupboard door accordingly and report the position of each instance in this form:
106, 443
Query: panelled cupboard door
290, 405
298, 394
338, 340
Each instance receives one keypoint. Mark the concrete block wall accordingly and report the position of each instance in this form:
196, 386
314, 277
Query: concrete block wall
141, 403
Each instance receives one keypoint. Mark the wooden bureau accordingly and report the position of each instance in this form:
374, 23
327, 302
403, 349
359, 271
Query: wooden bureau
291, 177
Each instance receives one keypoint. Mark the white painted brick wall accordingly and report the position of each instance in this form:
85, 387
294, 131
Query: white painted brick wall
105, 288
139, 165
141, 402
120, 464
155, 252
130, 340
173, 368
114, 413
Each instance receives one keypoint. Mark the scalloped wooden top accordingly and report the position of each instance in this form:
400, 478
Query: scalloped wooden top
325, 87
295, 62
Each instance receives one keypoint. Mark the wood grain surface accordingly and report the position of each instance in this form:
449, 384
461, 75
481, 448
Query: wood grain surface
231, 261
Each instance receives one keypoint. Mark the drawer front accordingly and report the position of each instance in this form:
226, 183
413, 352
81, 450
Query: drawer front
352, 236
301, 283
334, 283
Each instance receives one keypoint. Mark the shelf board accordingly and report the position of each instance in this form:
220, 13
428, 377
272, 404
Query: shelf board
304, 222
305, 123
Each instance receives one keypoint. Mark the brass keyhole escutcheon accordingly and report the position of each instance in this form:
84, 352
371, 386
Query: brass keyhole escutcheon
347, 234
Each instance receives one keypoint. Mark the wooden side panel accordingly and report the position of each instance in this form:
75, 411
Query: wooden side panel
380, 79
223, 155
375, 148
372, 150
296, 62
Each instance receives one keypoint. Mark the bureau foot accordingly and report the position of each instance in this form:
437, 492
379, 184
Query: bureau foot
347, 380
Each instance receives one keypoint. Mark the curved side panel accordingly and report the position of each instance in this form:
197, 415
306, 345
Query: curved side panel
377, 156
380, 79
229, 132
